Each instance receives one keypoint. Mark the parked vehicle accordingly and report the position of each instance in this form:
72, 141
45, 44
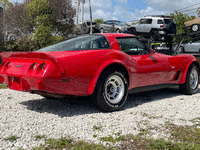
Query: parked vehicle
154, 26
85, 27
112, 26
191, 46
193, 25
104, 66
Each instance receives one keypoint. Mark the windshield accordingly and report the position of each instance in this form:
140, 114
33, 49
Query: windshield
86, 42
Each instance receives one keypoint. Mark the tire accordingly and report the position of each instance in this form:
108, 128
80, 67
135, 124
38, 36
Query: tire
133, 31
117, 31
192, 81
181, 49
111, 91
195, 28
171, 28
154, 35
101, 30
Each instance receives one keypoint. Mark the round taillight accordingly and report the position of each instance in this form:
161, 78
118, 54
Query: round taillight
43, 66
34, 66
161, 26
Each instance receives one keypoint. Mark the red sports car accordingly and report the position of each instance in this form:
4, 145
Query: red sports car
105, 66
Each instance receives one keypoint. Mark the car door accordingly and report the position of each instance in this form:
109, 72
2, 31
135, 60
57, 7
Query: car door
192, 46
141, 25
146, 68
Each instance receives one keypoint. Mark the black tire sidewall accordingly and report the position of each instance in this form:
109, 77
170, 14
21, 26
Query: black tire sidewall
186, 88
102, 101
155, 33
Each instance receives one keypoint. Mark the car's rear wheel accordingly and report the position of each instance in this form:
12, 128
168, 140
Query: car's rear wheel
117, 31
102, 30
195, 27
192, 81
111, 90
154, 35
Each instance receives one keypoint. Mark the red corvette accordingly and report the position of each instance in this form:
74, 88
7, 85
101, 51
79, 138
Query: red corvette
105, 66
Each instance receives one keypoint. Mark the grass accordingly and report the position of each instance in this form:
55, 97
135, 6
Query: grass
181, 138
97, 128
68, 143
12, 138
40, 136
3, 86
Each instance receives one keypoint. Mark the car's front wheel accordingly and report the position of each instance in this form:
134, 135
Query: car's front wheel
111, 90
101, 30
192, 81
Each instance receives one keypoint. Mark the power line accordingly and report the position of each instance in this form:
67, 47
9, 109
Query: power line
188, 10
187, 7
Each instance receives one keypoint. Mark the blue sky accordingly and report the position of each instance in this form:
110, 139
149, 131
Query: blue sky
128, 10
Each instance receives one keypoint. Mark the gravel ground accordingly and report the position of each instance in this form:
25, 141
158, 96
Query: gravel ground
26, 115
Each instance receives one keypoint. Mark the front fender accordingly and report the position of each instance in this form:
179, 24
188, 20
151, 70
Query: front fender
100, 70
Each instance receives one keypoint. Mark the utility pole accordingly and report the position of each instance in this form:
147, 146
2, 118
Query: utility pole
77, 11
82, 12
90, 17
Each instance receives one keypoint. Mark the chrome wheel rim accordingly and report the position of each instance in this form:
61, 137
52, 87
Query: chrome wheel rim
117, 31
194, 79
101, 30
195, 28
114, 89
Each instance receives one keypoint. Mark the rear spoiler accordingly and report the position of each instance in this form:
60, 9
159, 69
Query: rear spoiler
33, 55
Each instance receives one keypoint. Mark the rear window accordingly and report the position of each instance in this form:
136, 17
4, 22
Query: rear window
168, 21
86, 42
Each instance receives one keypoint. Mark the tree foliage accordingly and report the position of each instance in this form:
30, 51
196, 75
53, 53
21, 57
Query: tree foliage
98, 20
180, 19
38, 24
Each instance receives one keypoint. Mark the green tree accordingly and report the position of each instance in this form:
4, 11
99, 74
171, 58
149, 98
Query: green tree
7, 3
98, 21
41, 19
180, 19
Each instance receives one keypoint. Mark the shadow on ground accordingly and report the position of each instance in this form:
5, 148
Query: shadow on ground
83, 105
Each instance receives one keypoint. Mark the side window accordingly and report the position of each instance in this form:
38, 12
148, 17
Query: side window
131, 46
143, 21
160, 21
149, 21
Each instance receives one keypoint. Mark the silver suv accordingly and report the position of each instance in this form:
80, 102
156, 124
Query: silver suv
113, 26
154, 26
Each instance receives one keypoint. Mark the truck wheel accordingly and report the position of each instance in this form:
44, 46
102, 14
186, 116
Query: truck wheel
154, 35
192, 81
111, 90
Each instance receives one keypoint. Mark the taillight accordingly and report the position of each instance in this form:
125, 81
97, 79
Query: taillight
32, 67
161, 26
2, 64
6, 66
41, 67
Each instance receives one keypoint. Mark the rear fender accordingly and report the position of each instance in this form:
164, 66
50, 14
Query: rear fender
100, 70
183, 78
